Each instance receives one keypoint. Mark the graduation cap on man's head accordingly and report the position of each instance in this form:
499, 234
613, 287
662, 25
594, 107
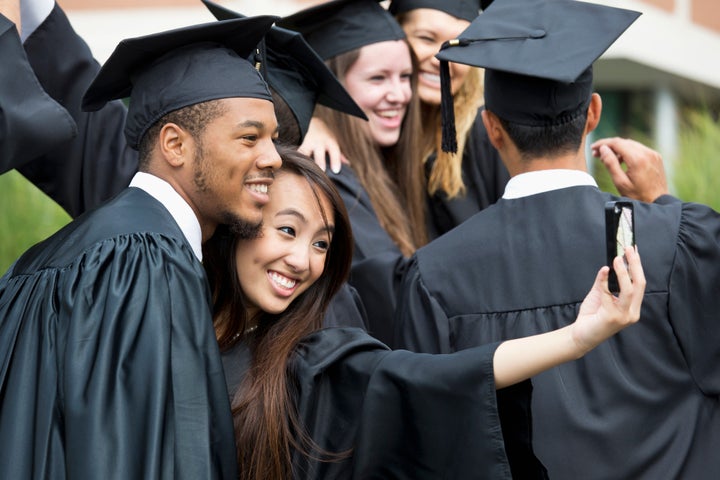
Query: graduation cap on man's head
295, 72
465, 9
340, 26
166, 71
537, 55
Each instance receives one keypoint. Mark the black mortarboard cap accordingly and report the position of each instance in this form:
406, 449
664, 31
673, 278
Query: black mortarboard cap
538, 56
465, 9
340, 26
295, 72
170, 70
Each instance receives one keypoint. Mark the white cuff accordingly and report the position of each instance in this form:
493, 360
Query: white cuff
32, 14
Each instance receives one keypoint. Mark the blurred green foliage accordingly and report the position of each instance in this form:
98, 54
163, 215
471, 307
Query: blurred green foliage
697, 168
27, 216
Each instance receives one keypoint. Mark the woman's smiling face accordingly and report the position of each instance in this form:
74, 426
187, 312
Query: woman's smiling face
427, 29
289, 255
380, 82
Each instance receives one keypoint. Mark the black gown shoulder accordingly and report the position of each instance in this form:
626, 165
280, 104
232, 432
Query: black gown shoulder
109, 366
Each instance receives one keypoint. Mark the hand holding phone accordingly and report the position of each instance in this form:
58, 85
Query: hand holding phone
619, 234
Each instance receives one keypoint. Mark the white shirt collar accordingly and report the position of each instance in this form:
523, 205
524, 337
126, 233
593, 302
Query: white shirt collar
532, 183
184, 216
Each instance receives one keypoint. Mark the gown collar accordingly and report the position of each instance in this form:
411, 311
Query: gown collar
532, 183
181, 212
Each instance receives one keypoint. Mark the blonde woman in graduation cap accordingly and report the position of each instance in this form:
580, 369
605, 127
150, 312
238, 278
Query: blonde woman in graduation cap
464, 181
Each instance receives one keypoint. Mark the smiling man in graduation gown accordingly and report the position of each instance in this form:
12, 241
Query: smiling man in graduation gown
644, 405
99, 163
109, 367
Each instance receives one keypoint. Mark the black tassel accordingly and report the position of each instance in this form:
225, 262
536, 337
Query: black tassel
447, 110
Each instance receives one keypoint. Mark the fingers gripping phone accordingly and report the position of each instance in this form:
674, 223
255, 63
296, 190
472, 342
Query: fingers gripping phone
619, 233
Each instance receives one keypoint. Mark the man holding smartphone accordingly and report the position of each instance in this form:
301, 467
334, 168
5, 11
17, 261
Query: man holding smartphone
645, 405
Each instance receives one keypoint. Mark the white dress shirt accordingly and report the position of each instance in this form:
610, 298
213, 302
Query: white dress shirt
184, 216
532, 183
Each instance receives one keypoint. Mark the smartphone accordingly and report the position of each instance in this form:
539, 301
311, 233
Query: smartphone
619, 233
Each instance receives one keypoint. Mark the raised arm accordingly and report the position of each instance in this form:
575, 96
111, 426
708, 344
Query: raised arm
601, 315
98, 163
644, 179
31, 123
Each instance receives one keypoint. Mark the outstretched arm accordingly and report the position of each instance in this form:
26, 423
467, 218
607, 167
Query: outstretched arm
644, 179
601, 315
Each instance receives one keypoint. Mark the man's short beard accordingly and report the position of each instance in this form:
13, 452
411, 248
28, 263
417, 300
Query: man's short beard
241, 228
199, 172
237, 225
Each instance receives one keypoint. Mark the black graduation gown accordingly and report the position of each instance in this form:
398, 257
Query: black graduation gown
643, 405
484, 175
377, 264
109, 366
406, 416
31, 123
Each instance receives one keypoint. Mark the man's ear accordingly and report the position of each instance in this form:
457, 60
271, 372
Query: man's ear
494, 129
594, 112
174, 144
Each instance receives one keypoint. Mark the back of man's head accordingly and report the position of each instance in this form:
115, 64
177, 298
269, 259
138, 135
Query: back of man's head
538, 57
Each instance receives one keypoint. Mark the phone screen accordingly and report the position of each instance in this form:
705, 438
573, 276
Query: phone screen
620, 233
624, 236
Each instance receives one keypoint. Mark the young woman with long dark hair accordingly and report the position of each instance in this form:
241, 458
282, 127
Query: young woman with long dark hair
336, 403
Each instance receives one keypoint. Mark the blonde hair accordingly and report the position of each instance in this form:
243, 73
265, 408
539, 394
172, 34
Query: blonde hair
446, 173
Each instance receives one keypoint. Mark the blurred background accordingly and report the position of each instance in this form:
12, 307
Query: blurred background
660, 84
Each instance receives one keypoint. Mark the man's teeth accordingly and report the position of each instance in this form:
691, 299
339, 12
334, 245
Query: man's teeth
258, 187
282, 280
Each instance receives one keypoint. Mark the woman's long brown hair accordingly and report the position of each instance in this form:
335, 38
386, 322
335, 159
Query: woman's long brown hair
267, 429
393, 177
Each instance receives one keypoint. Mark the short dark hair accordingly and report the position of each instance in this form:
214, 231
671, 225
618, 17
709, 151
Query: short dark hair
547, 140
289, 132
193, 118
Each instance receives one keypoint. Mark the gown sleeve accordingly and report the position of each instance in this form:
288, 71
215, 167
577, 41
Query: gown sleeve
369, 236
98, 163
421, 324
378, 264
346, 309
694, 300
110, 368
406, 415
31, 123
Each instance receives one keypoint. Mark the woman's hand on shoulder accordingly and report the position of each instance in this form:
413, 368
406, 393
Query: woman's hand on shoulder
320, 144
